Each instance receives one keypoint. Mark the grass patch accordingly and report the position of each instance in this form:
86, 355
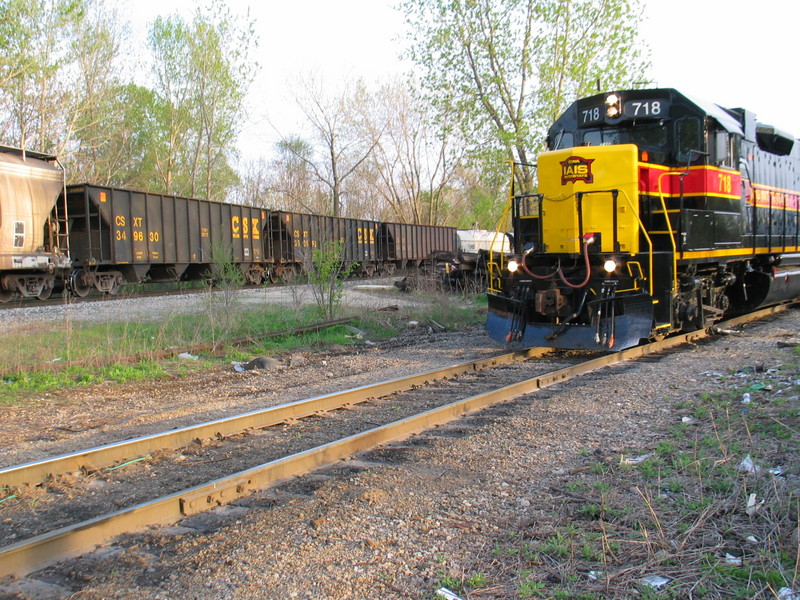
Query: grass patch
100, 350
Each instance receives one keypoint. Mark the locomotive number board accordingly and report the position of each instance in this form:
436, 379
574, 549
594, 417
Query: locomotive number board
640, 108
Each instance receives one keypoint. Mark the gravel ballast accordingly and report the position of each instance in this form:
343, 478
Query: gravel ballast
400, 521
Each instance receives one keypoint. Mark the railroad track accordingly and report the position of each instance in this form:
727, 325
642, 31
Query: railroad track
347, 435
128, 292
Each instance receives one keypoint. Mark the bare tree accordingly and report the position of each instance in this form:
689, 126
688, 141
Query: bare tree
414, 159
343, 141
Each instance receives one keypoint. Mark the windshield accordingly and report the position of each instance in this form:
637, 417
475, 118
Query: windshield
653, 137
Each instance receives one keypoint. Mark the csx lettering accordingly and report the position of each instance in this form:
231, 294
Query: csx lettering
119, 220
137, 221
365, 236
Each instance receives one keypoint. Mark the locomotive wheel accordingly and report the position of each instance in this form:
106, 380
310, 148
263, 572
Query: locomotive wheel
79, 285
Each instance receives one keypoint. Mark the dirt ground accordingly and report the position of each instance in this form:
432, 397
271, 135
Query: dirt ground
526, 500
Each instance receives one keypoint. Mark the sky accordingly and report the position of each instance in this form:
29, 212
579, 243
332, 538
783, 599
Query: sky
736, 53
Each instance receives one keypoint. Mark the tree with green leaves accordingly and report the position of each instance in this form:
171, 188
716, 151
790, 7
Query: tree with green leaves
502, 70
203, 70
37, 50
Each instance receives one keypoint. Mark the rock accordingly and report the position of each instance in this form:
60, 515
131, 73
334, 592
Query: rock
374, 496
261, 363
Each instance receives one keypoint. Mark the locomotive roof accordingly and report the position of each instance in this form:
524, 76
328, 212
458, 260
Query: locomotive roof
715, 111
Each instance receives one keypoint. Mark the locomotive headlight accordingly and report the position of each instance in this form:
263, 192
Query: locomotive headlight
512, 266
610, 265
613, 106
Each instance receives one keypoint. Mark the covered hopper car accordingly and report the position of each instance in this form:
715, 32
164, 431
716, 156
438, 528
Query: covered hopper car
34, 247
654, 213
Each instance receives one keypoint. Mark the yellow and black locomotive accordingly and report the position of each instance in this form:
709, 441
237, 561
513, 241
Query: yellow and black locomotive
654, 213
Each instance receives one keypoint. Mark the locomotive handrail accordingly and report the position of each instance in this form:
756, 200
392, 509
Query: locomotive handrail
495, 267
669, 227
647, 237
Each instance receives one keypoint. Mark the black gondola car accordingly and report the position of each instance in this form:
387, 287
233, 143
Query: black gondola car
654, 213
123, 236
408, 246
291, 239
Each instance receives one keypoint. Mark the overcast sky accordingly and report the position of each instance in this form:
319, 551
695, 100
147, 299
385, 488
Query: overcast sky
736, 53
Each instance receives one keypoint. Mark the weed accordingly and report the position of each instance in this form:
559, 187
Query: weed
590, 511
557, 545
451, 583
478, 580
530, 589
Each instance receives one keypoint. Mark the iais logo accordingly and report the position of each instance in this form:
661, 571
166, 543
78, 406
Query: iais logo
576, 168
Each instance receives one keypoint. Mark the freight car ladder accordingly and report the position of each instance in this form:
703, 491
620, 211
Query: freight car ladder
59, 226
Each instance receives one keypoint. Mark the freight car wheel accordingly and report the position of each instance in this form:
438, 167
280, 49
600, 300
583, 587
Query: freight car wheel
45, 293
286, 272
80, 283
5, 296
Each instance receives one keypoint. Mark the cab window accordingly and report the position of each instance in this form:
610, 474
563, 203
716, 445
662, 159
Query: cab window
688, 137
601, 137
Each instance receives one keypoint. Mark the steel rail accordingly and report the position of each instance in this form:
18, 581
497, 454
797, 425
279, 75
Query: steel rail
29, 555
100, 457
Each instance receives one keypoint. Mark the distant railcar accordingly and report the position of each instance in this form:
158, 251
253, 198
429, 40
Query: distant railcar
291, 239
409, 246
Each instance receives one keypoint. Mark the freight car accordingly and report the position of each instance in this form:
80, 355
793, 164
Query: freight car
122, 236
89, 237
369, 246
654, 213
34, 248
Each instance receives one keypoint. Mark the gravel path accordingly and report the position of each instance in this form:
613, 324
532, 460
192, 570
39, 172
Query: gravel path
376, 294
401, 520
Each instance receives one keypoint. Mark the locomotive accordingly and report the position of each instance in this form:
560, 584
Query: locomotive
86, 237
655, 213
